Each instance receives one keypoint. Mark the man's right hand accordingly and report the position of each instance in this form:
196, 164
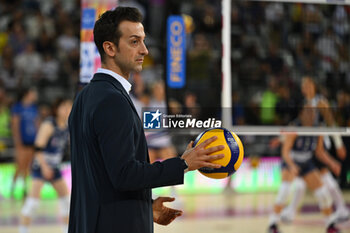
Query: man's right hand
199, 156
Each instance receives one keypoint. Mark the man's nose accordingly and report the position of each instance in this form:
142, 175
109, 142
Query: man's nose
144, 50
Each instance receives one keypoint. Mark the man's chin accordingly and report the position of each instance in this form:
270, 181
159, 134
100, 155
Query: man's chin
138, 68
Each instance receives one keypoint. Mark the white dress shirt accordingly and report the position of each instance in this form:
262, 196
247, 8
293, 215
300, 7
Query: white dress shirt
125, 83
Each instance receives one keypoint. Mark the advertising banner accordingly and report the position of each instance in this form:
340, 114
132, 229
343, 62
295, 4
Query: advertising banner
176, 52
89, 56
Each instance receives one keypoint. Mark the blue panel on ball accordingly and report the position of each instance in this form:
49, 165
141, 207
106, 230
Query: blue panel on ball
230, 167
232, 144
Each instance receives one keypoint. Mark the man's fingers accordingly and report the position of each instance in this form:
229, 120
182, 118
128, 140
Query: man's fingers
210, 165
170, 215
190, 145
214, 157
207, 142
178, 213
175, 211
167, 199
214, 149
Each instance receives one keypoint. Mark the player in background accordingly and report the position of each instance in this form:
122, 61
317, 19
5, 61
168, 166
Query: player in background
159, 142
160, 146
297, 153
24, 123
52, 138
323, 114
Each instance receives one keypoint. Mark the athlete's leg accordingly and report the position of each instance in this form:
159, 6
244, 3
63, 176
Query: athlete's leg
64, 201
342, 212
288, 213
281, 198
314, 182
30, 205
20, 167
27, 163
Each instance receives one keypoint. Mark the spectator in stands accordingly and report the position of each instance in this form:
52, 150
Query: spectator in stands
286, 106
191, 106
327, 48
67, 41
28, 74
306, 52
7, 70
50, 68
342, 110
200, 59
206, 16
312, 20
274, 15
268, 103
45, 43
296, 15
237, 109
251, 72
17, 38
340, 22
344, 67
273, 63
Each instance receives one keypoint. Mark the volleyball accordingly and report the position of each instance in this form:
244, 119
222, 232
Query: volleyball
233, 152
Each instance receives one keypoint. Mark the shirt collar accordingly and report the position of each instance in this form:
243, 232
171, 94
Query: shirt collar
125, 83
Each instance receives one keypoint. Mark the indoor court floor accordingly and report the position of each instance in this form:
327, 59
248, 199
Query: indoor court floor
221, 213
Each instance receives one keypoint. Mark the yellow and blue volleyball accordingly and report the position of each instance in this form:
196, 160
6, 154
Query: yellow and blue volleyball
233, 152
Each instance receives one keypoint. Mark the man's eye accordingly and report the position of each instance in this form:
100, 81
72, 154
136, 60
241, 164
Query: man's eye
134, 42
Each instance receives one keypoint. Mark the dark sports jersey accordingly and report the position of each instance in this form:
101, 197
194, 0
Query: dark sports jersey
305, 144
58, 140
54, 149
303, 147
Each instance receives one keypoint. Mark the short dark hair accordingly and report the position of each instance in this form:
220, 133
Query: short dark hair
107, 26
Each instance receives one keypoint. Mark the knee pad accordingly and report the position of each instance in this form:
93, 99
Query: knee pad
64, 203
30, 206
323, 197
329, 181
299, 184
283, 193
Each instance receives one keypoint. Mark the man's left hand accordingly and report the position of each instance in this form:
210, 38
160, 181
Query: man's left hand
162, 214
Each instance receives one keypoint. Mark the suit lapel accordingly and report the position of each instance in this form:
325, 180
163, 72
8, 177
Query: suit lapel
116, 84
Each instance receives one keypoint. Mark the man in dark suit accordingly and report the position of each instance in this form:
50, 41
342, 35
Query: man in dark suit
111, 174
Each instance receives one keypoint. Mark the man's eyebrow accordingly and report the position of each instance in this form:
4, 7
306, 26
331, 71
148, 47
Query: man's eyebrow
138, 37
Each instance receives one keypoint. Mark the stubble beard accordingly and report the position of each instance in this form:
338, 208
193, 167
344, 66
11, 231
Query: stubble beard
126, 67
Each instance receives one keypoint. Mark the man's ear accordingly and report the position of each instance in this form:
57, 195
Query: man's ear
109, 48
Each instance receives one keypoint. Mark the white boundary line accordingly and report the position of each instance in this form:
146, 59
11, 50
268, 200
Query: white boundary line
338, 2
273, 130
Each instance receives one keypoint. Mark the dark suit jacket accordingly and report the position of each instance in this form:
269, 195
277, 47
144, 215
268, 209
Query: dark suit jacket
111, 174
